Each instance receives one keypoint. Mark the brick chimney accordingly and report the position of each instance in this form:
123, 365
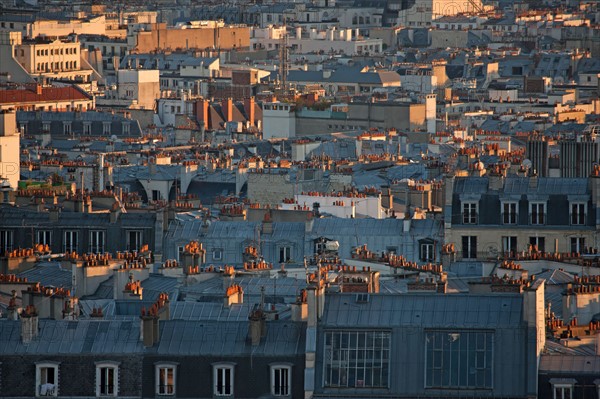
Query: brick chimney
227, 107
29, 324
249, 109
202, 111
234, 294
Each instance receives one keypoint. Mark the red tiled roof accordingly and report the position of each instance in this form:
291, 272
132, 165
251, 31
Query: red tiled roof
48, 94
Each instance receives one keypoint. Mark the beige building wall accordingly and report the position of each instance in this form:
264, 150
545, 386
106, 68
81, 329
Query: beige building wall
9, 149
269, 189
224, 38
448, 38
9, 66
93, 26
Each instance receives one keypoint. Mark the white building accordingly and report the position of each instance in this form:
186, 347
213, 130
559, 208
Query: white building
279, 120
341, 206
424, 12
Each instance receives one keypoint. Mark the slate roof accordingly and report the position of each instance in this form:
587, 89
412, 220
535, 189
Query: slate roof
570, 364
177, 337
424, 310
49, 274
520, 185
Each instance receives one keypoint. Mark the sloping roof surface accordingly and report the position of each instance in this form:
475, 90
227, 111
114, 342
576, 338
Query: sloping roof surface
424, 310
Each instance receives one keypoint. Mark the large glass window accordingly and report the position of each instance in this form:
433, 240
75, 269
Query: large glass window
459, 359
357, 359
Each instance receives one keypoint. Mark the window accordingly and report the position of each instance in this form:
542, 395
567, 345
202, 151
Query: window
97, 241
577, 244
217, 254
538, 213
106, 128
126, 127
538, 244
67, 128
6, 241
44, 237
46, 379
509, 245
165, 379
357, 359
469, 247
71, 241
156, 195
134, 240
509, 212
563, 391
426, 252
281, 380
223, 380
458, 359
87, 128
469, 212
285, 254
107, 378
46, 127
578, 213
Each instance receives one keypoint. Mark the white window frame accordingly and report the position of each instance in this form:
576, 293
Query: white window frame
578, 205
282, 390
579, 244
106, 128
217, 254
543, 215
107, 365
160, 385
87, 128
287, 253
7, 239
561, 387
71, 234
97, 241
426, 252
44, 237
52, 392
140, 240
67, 128
472, 212
127, 128
46, 127
220, 368
507, 246
510, 217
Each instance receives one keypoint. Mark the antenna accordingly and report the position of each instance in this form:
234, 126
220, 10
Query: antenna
283, 59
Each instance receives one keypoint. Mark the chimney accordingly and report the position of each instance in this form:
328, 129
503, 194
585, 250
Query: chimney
234, 294
202, 112
227, 107
149, 328
267, 224
387, 198
12, 312
29, 324
300, 307
39, 89
249, 108
115, 211
257, 327
54, 213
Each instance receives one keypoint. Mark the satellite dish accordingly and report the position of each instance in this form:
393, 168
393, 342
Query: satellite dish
113, 138
527, 164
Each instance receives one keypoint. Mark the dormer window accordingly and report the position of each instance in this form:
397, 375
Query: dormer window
165, 378
469, 212
107, 379
46, 379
